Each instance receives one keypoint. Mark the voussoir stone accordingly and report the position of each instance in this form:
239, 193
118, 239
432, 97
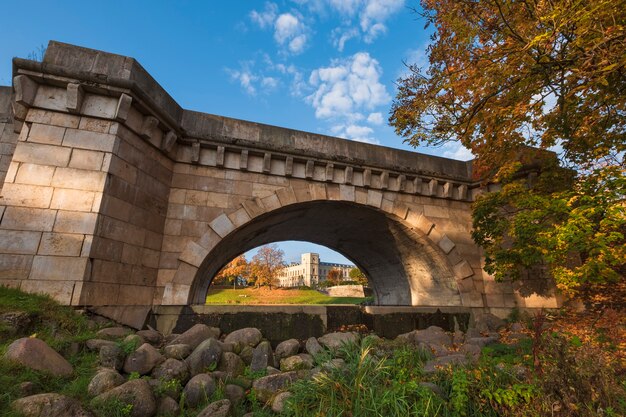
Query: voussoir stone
180, 351
142, 360
313, 346
103, 381
114, 332
196, 335
262, 357
49, 405
205, 357
232, 364
199, 389
334, 341
286, 349
136, 393
219, 408
266, 387
171, 369
248, 336
36, 354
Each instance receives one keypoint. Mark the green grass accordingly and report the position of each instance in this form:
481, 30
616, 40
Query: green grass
276, 296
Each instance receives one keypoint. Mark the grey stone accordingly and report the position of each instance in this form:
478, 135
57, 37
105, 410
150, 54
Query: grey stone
227, 347
180, 351
196, 335
96, 344
234, 393
136, 393
49, 405
472, 350
103, 381
205, 357
247, 336
172, 369
151, 336
516, 327
167, 407
232, 364
445, 361
246, 354
36, 354
166, 388
143, 360
482, 341
111, 356
278, 404
114, 332
18, 322
262, 357
313, 346
219, 408
133, 340
294, 363
266, 387
492, 322
270, 370
286, 349
27, 388
334, 341
432, 336
307, 358
199, 389
333, 364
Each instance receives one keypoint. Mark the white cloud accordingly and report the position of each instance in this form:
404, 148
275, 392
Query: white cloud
354, 132
269, 82
297, 44
341, 35
266, 17
246, 80
375, 13
347, 86
346, 7
285, 27
457, 151
375, 118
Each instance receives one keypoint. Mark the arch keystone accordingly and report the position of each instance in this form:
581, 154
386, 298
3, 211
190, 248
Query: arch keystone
346, 192
222, 225
374, 198
318, 191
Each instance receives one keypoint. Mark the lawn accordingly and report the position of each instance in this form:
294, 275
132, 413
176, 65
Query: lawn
264, 295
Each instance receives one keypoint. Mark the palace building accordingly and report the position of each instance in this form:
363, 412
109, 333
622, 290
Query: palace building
310, 271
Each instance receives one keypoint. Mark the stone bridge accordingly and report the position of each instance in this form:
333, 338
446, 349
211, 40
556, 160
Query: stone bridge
115, 195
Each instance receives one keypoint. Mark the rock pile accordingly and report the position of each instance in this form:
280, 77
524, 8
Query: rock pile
152, 373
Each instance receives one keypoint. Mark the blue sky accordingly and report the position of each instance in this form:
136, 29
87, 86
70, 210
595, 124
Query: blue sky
324, 66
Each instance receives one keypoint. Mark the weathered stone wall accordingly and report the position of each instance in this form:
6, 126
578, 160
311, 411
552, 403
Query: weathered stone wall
8, 138
346, 291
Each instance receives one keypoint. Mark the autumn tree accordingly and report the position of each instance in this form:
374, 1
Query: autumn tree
334, 277
508, 75
266, 264
236, 270
358, 276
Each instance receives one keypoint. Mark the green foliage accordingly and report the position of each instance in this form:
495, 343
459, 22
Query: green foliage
459, 398
112, 408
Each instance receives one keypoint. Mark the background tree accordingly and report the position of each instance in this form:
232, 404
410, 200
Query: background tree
358, 276
506, 75
266, 264
334, 277
237, 270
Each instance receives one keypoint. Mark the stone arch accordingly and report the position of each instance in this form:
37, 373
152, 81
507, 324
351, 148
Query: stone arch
188, 285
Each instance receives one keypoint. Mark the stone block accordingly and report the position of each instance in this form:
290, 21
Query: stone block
446, 244
116, 208
374, 198
60, 244
135, 295
94, 125
74, 200
83, 159
209, 239
176, 294
108, 249
26, 218
14, 267
172, 227
346, 192
58, 268
271, 202
286, 196
185, 274
253, 207
196, 198
75, 222
83, 139
47, 117
194, 254
61, 291
360, 196
79, 179
11, 170
400, 209
318, 191
34, 174
41, 154
239, 217
19, 242
165, 276
48, 134
463, 270
26, 195
222, 225
431, 211
122, 169
177, 196
150, 258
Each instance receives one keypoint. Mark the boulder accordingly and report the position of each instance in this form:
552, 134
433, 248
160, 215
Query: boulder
151, 336
313, 346
196, 335
232, 364
307, 358
262, 357
36, 354
136, 393
246, 354
227, 347
517, 327
278, 404
205, 357
489, 321
482, 341
49, 405
199, 389
113, 332
333, 364
294, 363
433, 337
266, 387
143, 360
270, 370
16, 322
104, 381
248, 336
286, 349
133, 340
96, 344
27, 388
219, 408
172, 369
473, 351
166, 388
111, 356
167, 406
234, 393
180, 351
334, 341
